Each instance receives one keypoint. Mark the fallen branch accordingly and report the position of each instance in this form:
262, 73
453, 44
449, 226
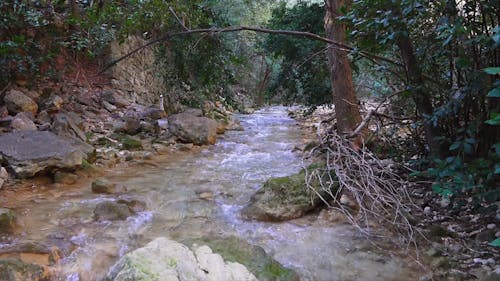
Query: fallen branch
312, 36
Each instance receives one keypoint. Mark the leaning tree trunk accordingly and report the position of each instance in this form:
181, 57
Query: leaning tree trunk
344, 96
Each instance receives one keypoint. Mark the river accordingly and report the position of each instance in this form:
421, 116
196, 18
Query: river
194, 194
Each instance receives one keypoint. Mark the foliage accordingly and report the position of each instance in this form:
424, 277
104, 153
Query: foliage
455, 46
303, 75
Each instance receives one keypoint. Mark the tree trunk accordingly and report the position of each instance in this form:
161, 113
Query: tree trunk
420, 96
344, 96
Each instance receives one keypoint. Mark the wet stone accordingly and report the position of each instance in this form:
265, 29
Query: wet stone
103, 186
109, 210
7, 220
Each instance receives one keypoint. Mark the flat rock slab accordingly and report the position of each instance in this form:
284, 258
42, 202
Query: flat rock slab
27, 153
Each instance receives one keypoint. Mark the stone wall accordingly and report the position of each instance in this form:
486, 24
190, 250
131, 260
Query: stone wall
137, 76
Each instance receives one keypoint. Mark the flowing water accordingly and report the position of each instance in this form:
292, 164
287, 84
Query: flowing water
189, 195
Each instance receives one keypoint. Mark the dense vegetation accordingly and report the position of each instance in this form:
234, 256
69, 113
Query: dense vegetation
444, 86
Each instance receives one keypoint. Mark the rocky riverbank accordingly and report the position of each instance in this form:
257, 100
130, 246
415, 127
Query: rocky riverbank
63, 134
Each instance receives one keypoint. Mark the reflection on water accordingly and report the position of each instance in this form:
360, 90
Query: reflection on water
229, 172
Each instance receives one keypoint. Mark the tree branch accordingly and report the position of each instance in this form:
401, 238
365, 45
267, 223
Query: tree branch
309, 35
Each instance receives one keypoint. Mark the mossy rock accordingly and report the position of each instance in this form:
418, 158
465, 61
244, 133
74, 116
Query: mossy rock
289, 197
13, 269
110, 210
128, 142
254, 258
131, 143
7, 220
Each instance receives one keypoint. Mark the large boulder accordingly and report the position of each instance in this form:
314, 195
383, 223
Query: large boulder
254, 258
16, 101
27, 153
163, 259
287, 198
193, 129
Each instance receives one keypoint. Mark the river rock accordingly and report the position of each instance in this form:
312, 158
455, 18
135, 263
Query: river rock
23, 122
110, 210
7, 220
65, 178
68, 125
14, 269
134, 205
3, 173
114, 98
6, 121
52, 103
254, 258
130, 126
247, 110
16, 101
192, 129
105, 187
27, 153
286, 198
71, 127
3, 112
164, 259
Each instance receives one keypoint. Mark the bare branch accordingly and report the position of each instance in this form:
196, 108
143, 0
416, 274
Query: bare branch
312, 36
177, 18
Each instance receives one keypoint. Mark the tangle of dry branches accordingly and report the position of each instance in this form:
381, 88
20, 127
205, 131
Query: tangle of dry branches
381, 195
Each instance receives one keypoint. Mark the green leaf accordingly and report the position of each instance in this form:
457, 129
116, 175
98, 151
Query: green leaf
495, 93
455, 146
495, 243
495, 120
492, 70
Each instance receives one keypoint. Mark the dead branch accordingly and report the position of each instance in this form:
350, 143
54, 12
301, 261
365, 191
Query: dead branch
312, 36
379, 192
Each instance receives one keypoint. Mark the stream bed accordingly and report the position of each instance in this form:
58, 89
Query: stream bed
195, 194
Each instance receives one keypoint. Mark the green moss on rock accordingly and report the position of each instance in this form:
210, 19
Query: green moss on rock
289, 197
7, 220
254, 258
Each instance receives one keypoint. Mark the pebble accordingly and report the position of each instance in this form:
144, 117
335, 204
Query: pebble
427, 210
497, 235
444, 202
491, 226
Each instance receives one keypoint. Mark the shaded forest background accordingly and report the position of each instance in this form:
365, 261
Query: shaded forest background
446, 80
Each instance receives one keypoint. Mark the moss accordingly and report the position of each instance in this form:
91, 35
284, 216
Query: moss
128, 142
12, 269
7, 220
254, 258
87, 166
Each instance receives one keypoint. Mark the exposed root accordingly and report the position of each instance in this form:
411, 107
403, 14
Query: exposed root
379, 193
